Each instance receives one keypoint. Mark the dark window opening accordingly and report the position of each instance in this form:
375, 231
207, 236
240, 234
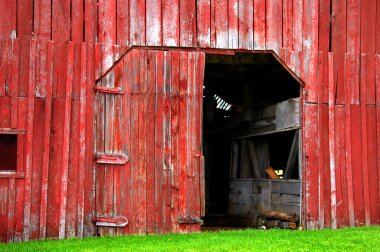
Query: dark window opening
8, 152
251, 122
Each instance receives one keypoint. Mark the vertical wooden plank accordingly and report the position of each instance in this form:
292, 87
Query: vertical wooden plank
159, 143
368, 44
183, 137
82, 139
297, 25
142, 122
20, 190
353, 27
150, 143
154, 23
99, 113
46, 137
74, 149
89, 182
170, 22
36, 172
137, 22
324, 25
273, 28
338, 44
349, 169
311, 164
14, 83
204, 21
373, 176
340, 160
42, 19
29, 141
377, 67
377, 27
66, 140
98, 61
187, 22
125, 172
175, 140
353, 45
287, 24
122, 21
119, 137
363, 110
5, 112
8, 19
233, 24
325, 176
90, 21
109, 123
167, 148
220, 15
310, 65
40, 85
135, 222
322, 185
198, 112
259, 24
4, 191
24, 18
61, 22
332, 139
11, 209
23, 68
190, 194
357, 170
77, 17
377, 35
246, 24
107, 32
2, 68
310, 45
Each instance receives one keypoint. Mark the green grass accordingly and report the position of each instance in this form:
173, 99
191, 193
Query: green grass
350, 239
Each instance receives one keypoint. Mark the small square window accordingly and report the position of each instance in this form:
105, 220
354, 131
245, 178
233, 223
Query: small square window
8, 152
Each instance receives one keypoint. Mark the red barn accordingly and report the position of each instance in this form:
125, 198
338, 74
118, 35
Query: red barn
121, 117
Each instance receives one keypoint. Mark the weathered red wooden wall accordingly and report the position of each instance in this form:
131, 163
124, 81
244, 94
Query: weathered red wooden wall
52, 52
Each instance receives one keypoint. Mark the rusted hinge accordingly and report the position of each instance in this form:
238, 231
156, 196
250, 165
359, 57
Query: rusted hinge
116, 159
189, 220
116, 221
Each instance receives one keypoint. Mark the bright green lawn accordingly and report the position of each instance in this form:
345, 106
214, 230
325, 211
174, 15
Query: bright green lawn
358, 239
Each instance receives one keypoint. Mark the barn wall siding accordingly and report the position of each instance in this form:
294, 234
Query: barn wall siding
53, 52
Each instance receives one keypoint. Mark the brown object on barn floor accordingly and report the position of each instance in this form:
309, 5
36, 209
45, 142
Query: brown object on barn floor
272, 223
288, 225
281, 216
272, 174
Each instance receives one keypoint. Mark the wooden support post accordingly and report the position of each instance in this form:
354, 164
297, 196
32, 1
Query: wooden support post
292, 157
254, 159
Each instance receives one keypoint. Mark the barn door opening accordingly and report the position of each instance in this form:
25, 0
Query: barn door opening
251, 143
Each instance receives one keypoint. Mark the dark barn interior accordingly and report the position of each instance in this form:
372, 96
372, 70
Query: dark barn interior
250, 123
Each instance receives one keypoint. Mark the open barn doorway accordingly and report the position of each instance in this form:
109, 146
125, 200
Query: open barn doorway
251, 140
